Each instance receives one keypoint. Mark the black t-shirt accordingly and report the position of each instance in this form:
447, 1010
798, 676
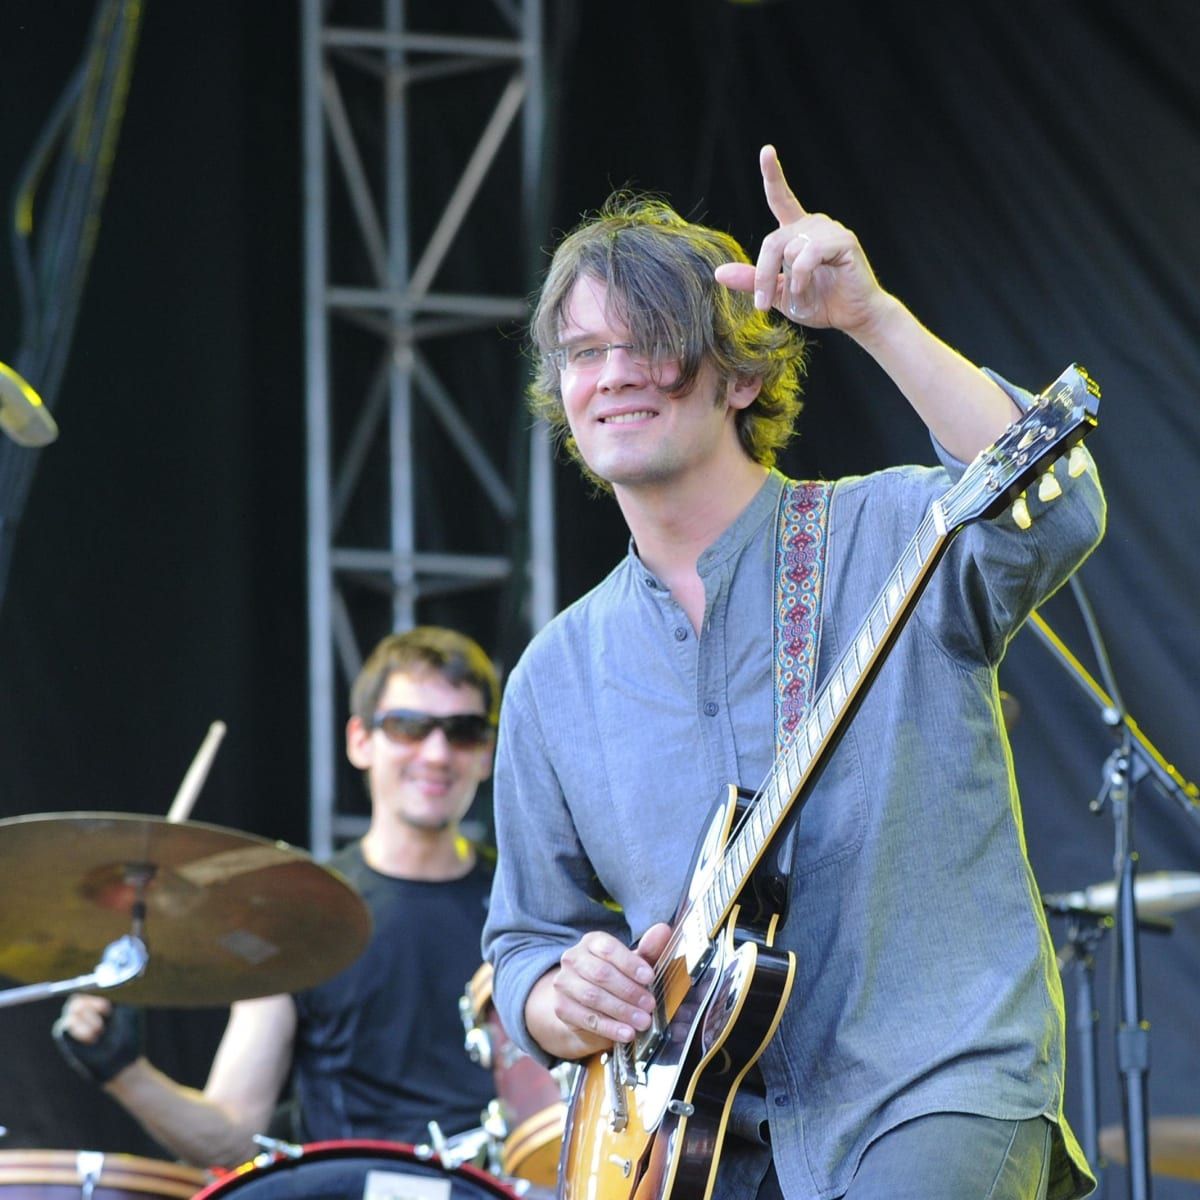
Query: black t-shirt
379, 1048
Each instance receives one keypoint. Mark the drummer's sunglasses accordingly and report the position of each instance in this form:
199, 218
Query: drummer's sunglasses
407, 727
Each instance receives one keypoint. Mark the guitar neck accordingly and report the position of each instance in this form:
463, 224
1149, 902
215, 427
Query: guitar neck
813, 742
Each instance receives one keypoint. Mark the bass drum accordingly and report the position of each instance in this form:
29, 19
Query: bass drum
356, 1170
71, 1174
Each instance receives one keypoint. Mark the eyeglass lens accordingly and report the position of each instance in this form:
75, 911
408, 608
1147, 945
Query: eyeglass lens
407, 726
591, 356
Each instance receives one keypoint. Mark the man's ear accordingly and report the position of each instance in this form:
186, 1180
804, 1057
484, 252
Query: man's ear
359, 746
741, 391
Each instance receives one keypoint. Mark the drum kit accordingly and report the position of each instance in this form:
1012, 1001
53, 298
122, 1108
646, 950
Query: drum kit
177, 913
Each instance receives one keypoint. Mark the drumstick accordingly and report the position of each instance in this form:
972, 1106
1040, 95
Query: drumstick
193, 781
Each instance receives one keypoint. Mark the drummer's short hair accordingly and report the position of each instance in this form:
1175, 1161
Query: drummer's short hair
426, 649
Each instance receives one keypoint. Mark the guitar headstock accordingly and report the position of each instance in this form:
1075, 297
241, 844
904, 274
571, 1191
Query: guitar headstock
1063, 415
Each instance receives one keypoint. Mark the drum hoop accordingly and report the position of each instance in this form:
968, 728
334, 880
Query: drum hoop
124, 1172
547, 1121
355, 1148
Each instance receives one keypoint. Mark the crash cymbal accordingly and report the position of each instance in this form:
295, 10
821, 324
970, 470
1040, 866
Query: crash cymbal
228, 915
1174, 1146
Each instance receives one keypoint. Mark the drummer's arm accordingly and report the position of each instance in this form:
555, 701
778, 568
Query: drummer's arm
215, 1127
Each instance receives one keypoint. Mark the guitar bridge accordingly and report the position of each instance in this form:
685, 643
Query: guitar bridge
619, 1075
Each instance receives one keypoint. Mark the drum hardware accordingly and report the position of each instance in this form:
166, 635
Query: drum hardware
366, 1170
496, 1127
477, 1044
122, 960
527, 1119
94, 1175
474, 1146
1156, 894
89, 1164
1132, 759
274, 1148
565, 1073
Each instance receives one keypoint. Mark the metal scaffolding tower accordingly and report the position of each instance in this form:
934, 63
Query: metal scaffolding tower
413, 260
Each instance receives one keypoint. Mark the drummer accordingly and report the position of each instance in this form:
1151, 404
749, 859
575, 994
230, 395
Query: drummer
377, 1051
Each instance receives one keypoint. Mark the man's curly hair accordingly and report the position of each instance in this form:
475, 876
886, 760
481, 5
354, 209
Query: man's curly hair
658, 269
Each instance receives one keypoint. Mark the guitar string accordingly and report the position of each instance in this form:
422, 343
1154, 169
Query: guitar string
960, 498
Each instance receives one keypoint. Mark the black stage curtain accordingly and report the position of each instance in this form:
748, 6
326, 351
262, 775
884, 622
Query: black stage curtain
1026, 176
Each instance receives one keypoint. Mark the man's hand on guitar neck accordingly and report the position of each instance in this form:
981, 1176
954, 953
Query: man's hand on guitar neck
601, 992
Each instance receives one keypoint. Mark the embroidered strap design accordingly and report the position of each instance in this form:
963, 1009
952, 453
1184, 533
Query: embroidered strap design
799, 575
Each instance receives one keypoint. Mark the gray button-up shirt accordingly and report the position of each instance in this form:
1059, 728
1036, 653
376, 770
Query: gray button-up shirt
926, 978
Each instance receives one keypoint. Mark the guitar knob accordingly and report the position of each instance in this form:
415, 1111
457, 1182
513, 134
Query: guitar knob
1076, 462
1020, 512
1048, 487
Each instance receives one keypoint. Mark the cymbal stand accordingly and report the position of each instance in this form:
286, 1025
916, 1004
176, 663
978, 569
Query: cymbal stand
121, 961
1133, 1033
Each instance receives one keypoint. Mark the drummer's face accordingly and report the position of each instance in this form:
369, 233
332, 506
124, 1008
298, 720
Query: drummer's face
426, 782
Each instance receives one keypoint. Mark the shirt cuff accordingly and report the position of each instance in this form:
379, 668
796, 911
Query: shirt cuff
1023, 399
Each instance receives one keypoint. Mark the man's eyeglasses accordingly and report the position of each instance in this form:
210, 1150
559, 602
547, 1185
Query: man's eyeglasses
407, 727
581, 358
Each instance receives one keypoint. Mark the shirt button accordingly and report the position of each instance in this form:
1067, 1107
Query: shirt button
680, 634
781, 1100
710, 709
649, 581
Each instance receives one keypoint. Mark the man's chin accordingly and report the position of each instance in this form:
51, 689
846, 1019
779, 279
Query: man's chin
433, 823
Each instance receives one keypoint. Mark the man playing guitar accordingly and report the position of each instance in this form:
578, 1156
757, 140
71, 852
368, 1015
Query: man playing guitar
917, 1048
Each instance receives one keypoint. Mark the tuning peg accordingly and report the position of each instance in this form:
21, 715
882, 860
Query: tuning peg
1076, 462
1020, 512
1048, 487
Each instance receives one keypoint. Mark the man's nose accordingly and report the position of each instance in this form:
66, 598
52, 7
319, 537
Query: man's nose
435, 744
620, 369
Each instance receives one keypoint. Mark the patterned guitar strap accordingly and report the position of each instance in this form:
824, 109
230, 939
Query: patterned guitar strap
801, 537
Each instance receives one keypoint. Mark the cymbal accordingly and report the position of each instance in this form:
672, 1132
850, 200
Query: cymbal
228, 916
1174, 1146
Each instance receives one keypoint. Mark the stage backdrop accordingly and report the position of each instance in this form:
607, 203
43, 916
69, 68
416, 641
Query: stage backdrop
1026, 176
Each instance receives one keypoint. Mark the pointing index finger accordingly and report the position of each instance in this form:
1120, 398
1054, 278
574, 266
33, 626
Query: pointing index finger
780, 198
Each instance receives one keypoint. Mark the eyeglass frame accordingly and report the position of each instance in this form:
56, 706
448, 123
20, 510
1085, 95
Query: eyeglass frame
452, 725
559, 356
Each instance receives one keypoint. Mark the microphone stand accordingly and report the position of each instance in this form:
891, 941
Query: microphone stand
1119, 787
1133, 1032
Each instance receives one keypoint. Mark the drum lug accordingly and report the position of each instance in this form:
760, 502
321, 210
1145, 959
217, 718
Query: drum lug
276, 1148
89, 1166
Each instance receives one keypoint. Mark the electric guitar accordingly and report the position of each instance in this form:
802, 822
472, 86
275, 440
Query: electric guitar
647, 1120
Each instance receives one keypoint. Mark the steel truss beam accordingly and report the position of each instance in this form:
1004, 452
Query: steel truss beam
387, 340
